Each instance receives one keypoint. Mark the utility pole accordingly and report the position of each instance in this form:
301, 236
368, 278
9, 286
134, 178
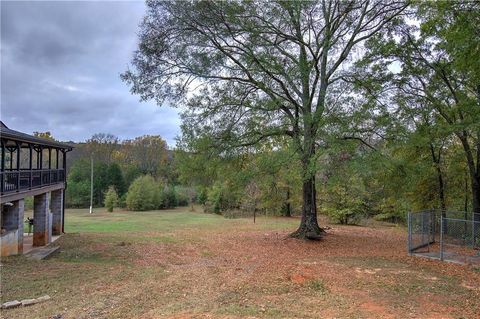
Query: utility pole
91, 183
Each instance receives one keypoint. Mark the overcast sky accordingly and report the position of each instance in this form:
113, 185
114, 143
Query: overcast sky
60, 66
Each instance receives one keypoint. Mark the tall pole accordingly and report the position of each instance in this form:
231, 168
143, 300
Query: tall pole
91, 183
64, 158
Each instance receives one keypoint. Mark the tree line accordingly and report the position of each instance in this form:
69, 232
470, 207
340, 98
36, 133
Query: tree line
137, 174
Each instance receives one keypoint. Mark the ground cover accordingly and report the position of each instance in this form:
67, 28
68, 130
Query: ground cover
181, 264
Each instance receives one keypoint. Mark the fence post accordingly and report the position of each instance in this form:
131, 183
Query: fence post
433, 221
409, 222
473, 229
441, 237
423, 228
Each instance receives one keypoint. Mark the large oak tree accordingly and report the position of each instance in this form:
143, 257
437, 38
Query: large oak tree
248, 71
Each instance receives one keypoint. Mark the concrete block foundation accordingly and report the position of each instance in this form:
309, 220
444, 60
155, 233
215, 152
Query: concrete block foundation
41, 220
56, 207
47, 222
12, 228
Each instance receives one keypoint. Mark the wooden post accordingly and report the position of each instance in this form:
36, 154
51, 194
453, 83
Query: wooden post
30, 166
64, 165
3, 156
40, 152
64, 158
37, 150
49, 166
3, 166
19, 147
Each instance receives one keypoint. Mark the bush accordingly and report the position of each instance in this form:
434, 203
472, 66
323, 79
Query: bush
203, 196
143, 194
168, 198
343, 216
122, 201
185, 195
214, 199
392, 210
345, 205
146, 194
220, 199
111, 199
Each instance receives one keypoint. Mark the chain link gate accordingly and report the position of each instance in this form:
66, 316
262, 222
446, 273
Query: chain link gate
450, 235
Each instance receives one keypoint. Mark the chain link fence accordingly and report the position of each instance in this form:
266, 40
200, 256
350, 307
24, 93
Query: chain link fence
445, 235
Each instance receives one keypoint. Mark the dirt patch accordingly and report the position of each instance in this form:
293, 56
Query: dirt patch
376, 309
299, 278
366, 267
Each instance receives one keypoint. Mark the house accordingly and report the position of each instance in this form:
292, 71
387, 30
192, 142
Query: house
31, 166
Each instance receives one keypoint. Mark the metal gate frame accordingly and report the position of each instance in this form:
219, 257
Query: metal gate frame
424, 227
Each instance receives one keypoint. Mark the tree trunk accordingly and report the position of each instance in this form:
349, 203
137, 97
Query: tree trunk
465, 204
441, 190
474, 177
476, 188
287, 208
476, 195
309, 228
441, 184
474, 171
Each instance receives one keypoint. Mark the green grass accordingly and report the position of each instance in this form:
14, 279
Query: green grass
165, 221
159, 225
101, 221
318, 286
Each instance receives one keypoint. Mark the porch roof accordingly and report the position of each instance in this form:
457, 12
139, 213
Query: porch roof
6, 133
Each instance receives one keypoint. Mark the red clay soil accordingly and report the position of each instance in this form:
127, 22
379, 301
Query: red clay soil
354, 272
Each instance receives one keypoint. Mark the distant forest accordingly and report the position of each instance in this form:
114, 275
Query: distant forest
116, 163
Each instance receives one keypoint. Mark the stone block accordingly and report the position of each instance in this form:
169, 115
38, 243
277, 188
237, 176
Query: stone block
43, 298
11, 304
28, 302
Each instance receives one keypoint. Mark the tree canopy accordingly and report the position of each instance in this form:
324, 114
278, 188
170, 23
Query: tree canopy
252, 71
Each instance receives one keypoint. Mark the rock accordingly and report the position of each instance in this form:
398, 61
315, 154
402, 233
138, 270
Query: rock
28, 302
11, 304
43, 298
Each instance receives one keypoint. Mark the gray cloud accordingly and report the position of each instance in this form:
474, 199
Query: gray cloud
60, 67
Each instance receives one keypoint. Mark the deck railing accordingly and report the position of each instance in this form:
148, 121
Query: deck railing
19, 180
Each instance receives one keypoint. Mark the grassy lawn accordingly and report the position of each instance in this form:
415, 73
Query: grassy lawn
181, 264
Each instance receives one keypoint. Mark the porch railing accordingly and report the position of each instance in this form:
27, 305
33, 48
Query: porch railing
19, 180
